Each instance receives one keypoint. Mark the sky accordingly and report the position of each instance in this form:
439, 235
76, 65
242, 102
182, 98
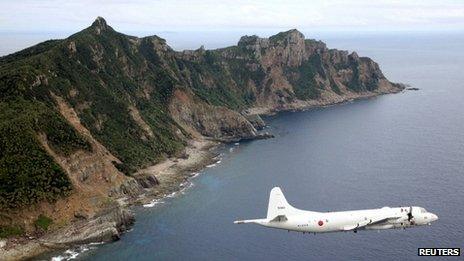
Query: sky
188, 24
215, 15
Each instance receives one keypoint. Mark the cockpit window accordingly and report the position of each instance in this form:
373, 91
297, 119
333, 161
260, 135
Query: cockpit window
423, 210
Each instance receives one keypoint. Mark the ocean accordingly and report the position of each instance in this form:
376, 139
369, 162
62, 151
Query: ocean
393, 150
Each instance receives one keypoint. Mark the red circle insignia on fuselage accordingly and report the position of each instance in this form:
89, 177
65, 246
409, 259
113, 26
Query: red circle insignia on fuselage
320, 223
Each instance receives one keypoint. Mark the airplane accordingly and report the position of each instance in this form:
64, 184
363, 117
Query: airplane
282, 215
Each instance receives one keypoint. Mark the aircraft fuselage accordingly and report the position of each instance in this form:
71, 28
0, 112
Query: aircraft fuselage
282, 215
319, 222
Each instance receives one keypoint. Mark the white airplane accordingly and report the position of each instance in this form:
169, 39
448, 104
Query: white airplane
282, 215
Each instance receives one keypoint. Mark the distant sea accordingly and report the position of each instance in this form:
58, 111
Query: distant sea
400, 149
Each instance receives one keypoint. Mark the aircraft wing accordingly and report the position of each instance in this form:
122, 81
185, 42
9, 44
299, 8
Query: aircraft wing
369, 221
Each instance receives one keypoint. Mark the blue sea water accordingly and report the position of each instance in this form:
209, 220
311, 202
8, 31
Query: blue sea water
400, 149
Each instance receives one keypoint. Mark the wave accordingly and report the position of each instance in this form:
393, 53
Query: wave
194, 175
73, 253
215, 163
153, 203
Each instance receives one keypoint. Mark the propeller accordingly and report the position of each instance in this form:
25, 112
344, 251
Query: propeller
410, 216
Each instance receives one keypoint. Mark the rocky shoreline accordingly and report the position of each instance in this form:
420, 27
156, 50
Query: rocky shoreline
111, 222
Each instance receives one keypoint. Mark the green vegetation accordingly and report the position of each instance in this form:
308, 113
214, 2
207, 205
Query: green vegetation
368, 83
43, 222
221, 92
305, 85
108, 117
10, 231
230, 82
27, 173
104, 91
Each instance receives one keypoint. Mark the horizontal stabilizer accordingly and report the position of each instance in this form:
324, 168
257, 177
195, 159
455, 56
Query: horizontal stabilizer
256, 221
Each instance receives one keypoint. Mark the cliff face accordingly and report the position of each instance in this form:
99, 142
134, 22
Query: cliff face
80, 115
287, 71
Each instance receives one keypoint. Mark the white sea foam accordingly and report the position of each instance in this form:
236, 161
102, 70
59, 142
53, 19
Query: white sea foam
97, 243
185, 188
172, 194
152, 203
71, 254
215, 163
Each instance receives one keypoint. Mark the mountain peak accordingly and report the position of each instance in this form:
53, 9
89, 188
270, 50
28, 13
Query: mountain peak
99, 22
248, 40
292, 34
100, 25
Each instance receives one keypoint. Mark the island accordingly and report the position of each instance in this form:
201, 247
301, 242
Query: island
99, 121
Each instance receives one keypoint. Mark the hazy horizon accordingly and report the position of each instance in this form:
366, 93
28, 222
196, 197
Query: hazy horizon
11, 42
28, 22
179, 15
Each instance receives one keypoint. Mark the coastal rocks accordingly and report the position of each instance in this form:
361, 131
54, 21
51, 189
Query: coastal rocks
81, 214
214, 122
146, 180
255, 120
263, 136
105, 226
130, 188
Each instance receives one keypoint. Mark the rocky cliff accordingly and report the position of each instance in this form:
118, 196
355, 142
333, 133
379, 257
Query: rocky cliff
79, 116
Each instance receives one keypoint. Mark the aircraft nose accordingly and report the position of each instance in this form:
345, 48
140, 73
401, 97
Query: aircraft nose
434, 217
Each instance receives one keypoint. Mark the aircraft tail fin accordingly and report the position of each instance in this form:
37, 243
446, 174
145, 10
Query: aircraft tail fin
278, 205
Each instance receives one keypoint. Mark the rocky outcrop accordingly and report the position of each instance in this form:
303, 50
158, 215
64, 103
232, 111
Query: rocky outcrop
215, 122
255, 120
105, 226
146, 180
296, 72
